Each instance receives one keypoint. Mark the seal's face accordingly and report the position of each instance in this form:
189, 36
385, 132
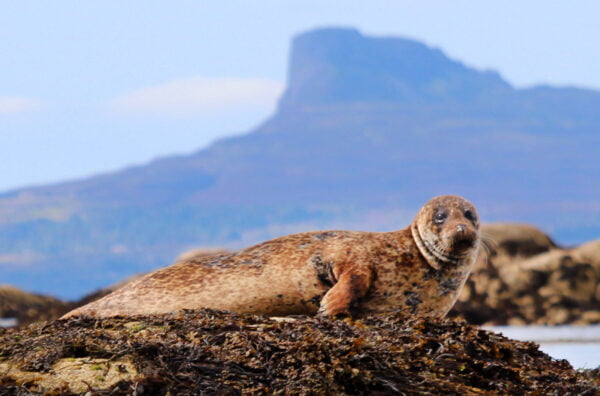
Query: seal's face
446, 231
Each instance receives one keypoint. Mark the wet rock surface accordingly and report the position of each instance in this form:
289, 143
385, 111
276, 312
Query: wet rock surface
211, 352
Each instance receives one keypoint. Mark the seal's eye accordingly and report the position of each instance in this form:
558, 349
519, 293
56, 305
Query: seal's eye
440, 217
470, 216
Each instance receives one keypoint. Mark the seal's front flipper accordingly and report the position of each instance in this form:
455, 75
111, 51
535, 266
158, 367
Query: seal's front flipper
350, 287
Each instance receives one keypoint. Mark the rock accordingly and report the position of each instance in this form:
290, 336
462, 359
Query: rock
28, 307
555, 316
527, 308
589, 252
516, 321
515, 240
212, 352
590, 317
526, 277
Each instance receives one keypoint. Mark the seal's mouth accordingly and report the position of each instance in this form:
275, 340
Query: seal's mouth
452, 249
463, 243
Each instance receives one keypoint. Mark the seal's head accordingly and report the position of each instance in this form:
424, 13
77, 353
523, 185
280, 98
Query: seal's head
446, 231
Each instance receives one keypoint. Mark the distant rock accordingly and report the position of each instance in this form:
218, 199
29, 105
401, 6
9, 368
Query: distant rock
526, 279
27, 308
509, 241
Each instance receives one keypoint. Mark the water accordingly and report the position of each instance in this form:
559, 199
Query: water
580, 345
580, 354
8, 322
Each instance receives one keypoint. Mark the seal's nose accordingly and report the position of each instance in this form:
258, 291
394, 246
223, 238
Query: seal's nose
463, 239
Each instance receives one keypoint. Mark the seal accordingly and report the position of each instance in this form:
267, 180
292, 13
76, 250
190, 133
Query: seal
418, 271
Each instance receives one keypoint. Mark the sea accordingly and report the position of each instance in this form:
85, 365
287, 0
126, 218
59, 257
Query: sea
580, 345
8, 322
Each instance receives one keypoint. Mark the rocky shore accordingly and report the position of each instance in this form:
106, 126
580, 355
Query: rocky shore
211, 352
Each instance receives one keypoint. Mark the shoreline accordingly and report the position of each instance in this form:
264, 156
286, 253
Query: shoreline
578, 344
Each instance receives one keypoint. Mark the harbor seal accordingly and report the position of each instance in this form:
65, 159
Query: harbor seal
418, 270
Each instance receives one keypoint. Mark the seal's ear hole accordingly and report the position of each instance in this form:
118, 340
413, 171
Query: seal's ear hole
440, 217
469, 215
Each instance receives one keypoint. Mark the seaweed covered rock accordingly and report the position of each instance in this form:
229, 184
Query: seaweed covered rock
522, 277
211, 352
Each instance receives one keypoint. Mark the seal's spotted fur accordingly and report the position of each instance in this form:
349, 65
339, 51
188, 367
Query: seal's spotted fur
418, 270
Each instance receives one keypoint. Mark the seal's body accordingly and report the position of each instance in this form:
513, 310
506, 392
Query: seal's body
418, 270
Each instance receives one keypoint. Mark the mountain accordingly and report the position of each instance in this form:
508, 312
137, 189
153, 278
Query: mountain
367, 130
336, 66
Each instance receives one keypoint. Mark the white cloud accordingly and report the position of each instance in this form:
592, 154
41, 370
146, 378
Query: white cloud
199, 95
11, 105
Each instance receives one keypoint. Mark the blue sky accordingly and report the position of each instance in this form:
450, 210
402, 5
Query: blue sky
93, 86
